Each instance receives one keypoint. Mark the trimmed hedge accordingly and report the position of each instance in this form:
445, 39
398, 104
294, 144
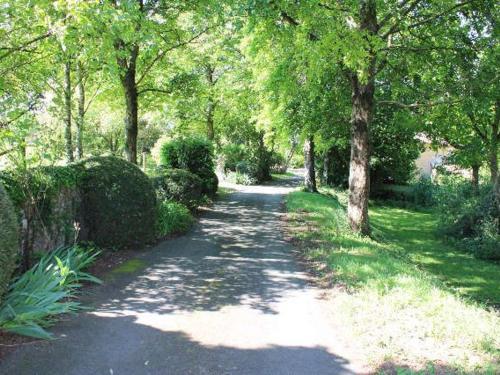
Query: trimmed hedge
178, 185
119, 203
195, 155
8, 240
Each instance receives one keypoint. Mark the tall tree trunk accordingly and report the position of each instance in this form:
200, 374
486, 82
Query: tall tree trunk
362, 113
309, 161
131, 116
81, 112
210, 119
126, 59
209, 75
493, 151
67, 110
495, 135
475, 178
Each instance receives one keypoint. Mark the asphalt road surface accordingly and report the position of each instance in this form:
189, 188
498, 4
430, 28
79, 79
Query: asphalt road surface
227, 298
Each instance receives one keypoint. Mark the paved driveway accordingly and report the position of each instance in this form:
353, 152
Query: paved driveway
227, 298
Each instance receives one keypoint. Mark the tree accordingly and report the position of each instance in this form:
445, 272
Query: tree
142, 35
362, 38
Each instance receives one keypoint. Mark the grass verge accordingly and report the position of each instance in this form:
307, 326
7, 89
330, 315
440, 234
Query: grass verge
394, 293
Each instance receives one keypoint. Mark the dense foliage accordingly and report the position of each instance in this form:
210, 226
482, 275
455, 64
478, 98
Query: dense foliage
119, 203
471, 217
178, 185
8, 240
195, 155
249, 163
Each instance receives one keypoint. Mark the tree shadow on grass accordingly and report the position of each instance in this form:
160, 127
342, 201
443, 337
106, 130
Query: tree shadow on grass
414, 233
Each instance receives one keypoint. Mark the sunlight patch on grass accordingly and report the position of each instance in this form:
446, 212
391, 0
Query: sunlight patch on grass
400, 296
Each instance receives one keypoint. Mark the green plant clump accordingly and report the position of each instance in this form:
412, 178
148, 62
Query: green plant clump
472, 218
178, 185
119, 203
8, 240
195, 155
45, 291
240, 178
173, 218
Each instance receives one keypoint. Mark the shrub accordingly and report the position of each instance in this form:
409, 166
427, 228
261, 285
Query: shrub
252, 160
8, 240
45, 291
231, 155
119, 203
277, 163
240, 178
194, 155
420, 194
210, 183
423, 192
471, 218
173, 218
178, 185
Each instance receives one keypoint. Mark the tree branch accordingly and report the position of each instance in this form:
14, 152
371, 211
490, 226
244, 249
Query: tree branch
394, 28
162, 91
439, 15
418, 104
23, 46
164, 52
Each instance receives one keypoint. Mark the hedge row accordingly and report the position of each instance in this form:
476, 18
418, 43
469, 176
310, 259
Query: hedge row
107, 200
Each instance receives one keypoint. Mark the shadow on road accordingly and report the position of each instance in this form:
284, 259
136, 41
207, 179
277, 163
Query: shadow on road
228, 298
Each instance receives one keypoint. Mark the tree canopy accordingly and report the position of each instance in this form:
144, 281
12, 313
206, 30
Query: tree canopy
355, 81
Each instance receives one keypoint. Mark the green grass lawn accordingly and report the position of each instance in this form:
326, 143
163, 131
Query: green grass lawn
414, 234
407, 298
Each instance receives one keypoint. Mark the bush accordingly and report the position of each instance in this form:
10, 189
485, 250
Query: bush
420, 194
253, 160
240, 178
173, 218
231, 155
194, 155
8, 240
210, 183
119, 203
45, 291
471, 218
178, 185
423, 192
